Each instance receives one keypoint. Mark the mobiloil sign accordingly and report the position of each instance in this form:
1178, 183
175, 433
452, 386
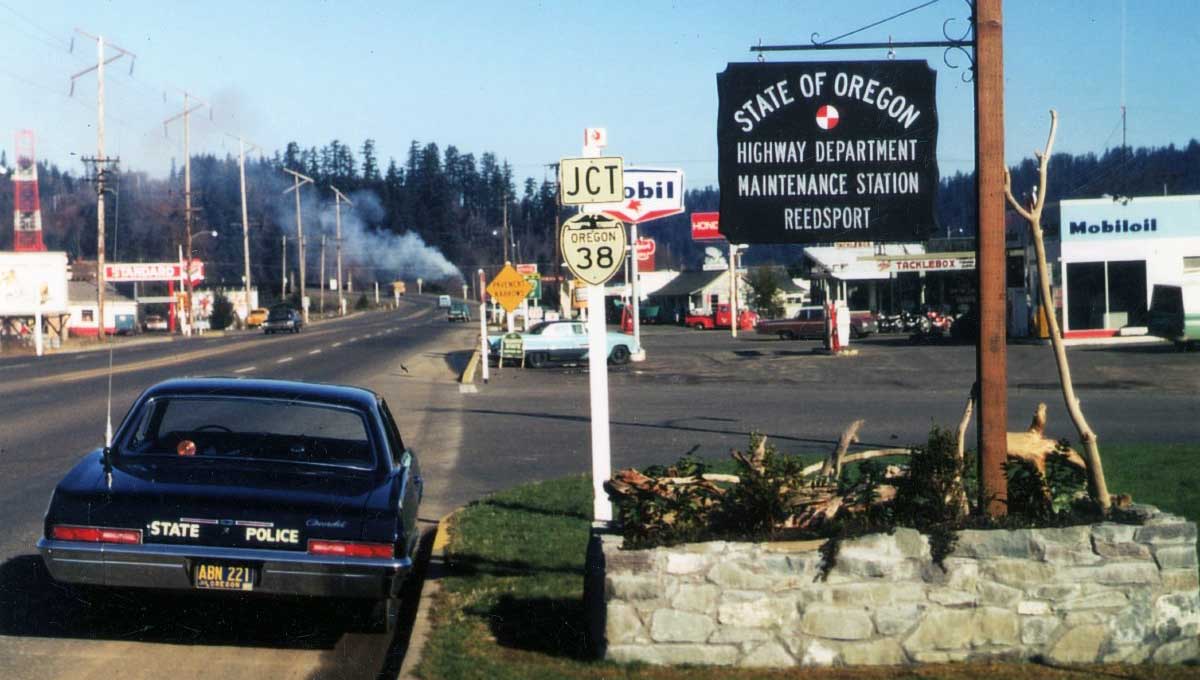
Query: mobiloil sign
1156, 217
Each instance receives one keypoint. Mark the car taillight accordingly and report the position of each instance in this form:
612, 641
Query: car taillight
67, 532
350, 549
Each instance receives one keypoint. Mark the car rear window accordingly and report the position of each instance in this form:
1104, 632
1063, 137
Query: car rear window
251, 429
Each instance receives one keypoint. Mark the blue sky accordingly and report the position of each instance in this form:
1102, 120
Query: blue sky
523, 78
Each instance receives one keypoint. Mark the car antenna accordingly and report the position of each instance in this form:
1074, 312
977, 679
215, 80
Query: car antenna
108, 469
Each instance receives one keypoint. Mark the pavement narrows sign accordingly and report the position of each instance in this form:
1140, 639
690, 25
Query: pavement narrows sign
509, 288
593, 246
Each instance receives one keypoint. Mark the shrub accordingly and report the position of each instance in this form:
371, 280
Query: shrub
222, 312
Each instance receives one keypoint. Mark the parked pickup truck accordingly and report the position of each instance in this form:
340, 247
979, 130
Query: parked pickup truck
809, 322
720, 319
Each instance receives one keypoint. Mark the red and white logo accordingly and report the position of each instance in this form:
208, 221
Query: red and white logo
827, 117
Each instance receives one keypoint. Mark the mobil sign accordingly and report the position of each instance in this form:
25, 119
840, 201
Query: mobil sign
645, 249
650, 193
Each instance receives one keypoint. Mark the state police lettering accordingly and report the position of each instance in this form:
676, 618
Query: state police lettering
827, 151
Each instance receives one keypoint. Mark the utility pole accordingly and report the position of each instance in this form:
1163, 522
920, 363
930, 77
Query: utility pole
322, 286
283, 271
245, 220
504, 232
186, 115
298, 181
338, 212
991, 352
100, 161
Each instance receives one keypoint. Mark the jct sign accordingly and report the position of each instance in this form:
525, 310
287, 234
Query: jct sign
820, 152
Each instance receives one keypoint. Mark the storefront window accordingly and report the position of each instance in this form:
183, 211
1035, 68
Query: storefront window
1127, 293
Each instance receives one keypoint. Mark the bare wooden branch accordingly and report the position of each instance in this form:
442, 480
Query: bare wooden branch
815, 468
1097, 486
960, 449
833, 466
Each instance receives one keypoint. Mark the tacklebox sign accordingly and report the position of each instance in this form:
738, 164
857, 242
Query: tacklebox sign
820, 152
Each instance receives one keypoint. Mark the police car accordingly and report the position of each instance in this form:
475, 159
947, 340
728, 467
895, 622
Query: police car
236, 486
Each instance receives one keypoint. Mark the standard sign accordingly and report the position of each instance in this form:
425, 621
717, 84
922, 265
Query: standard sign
583, 181
593, 246
509, 288
820, 152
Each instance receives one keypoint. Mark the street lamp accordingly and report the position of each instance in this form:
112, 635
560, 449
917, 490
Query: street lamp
187, 274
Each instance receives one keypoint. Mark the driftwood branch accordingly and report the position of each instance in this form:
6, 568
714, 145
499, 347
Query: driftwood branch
1097, 486
833, 465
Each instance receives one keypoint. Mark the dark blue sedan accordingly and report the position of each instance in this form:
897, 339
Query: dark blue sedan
260, 486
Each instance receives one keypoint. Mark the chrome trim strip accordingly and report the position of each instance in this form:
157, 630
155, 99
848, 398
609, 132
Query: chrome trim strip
221, 553
322, 574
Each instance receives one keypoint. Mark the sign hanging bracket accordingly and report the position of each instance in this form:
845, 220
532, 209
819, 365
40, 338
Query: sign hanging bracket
964, 43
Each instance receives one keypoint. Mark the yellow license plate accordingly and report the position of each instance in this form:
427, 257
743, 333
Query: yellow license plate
224, 577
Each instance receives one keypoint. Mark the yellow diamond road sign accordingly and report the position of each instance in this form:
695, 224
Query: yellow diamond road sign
509, 288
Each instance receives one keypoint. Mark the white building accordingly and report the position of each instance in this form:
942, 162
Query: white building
120, 312
1115, 250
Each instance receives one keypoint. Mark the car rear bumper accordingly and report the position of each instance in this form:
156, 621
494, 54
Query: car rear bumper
170, 567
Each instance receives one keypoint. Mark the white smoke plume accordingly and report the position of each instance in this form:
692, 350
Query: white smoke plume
400, 256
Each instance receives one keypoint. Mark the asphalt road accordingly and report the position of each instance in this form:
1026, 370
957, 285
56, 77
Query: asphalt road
699, 392
704, 392
52, 411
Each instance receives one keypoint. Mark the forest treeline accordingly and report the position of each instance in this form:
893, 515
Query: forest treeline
456, 202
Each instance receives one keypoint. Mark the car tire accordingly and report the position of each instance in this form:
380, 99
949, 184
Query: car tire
619, 355
536, 359
787, 335
698, 326
855, 333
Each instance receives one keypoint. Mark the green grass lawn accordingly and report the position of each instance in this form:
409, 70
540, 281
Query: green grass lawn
511, 600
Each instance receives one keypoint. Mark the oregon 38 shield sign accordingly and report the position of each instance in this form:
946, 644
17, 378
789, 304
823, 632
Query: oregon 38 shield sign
593, 246
818, 152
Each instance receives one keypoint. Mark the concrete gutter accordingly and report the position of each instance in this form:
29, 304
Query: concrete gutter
422, 627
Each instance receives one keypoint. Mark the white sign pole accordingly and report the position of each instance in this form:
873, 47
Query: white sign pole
598, 381
733, 312
639, 353
483, 343
598, 388
37, 331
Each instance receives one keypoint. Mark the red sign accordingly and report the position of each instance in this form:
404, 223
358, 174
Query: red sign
526, 269
646, 247
705, 226
150, 271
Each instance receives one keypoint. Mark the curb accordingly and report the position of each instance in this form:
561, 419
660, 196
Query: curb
468, 374
430, 588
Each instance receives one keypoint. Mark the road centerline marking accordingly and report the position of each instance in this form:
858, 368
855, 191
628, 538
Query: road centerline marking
315, 351
336, 344
284, 360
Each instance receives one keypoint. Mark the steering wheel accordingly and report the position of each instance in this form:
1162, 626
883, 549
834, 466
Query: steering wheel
212, 426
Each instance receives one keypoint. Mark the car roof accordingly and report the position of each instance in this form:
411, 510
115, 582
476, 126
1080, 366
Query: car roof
342, 395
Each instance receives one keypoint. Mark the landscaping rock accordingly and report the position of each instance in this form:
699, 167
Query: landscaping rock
696, 598
981, 544
837, 623
896, 620
1037, 630
875, 653
674, 654
1109, 592
668, 625
686, 563
1182, 651
622, 625
768, 655
1175, 557
1079, 645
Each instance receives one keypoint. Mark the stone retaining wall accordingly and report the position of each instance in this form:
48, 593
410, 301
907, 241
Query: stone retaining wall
1100, 593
